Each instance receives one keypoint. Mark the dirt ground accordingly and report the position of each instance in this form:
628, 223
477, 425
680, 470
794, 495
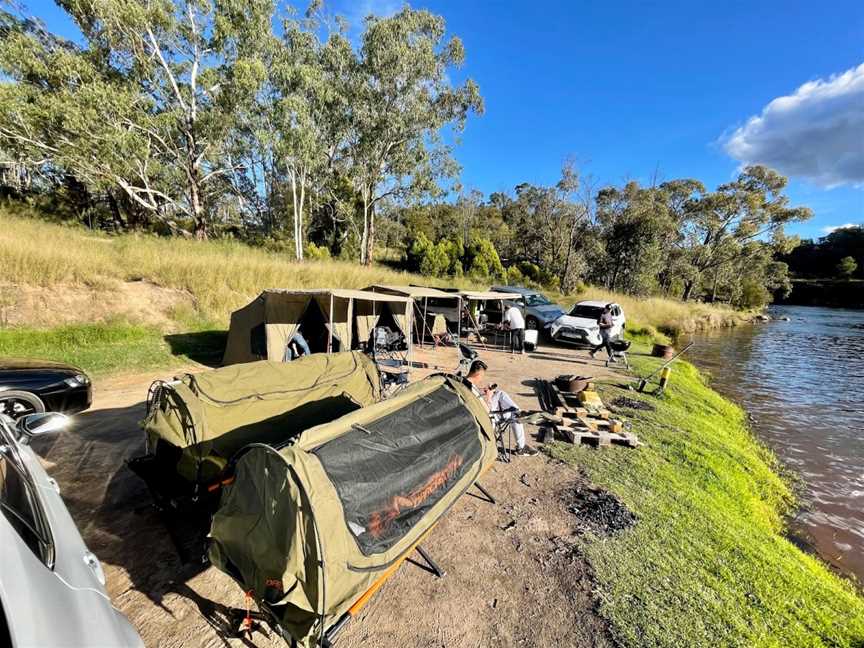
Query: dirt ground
513, 578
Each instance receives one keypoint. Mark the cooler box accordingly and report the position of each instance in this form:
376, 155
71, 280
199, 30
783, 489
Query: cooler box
530, 339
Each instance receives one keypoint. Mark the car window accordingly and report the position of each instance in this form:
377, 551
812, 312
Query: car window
588, 312
536, 299
20, 507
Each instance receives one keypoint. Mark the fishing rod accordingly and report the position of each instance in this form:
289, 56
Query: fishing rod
644, 381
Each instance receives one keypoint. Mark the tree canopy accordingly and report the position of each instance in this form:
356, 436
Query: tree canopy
251, 119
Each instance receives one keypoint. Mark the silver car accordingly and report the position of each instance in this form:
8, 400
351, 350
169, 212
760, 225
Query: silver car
52, 588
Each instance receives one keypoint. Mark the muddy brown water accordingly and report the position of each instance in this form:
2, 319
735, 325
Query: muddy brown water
802, 381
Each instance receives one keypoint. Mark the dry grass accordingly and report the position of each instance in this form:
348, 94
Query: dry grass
223, 275
220, 275
667, 316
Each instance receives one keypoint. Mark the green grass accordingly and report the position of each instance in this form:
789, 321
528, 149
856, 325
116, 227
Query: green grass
113, 347
707, 564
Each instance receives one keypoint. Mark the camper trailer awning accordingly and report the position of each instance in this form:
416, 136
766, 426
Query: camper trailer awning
480, 295
344, 293
413, 291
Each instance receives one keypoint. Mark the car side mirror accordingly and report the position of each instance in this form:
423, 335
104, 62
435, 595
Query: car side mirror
34, 425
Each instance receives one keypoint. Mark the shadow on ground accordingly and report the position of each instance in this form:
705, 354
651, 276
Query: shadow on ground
204, 347
111, 504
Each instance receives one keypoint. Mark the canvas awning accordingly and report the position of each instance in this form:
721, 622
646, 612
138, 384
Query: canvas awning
482, 295
412, 291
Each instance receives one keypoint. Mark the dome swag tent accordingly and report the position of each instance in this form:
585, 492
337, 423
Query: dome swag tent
313, 529
197, 422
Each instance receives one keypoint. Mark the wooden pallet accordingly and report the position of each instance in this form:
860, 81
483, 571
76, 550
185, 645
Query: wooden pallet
588, 422
595, 438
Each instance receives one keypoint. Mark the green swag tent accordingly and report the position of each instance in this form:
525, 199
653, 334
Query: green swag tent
197, 422
314, 528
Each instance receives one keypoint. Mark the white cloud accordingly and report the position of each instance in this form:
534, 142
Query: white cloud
816, 133
834, 228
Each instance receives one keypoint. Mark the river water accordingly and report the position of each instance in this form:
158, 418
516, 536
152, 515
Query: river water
803, 383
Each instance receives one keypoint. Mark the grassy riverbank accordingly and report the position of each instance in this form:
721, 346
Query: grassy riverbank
707, 564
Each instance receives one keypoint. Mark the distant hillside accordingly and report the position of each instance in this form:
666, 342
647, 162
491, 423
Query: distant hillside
837, 293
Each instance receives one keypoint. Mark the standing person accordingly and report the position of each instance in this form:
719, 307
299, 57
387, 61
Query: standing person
515, 322
500, 405
605, 323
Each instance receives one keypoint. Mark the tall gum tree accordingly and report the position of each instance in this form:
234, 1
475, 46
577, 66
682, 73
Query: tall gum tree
734, 223
402, 99
146, 103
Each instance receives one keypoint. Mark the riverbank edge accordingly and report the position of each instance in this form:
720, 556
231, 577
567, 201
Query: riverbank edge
708, 562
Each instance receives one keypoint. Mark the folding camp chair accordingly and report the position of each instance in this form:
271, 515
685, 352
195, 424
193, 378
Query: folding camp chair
385, 347
503, 426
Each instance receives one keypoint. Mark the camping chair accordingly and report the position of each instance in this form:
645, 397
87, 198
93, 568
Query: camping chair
502, 423
385, 347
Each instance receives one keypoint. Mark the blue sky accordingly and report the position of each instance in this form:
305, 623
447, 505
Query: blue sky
634, 88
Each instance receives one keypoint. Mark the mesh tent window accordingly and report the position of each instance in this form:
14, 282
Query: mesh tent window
390, 472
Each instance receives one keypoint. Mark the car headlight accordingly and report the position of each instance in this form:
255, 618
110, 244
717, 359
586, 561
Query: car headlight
78, 380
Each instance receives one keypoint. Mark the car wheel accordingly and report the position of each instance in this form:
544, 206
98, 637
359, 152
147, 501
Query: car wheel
532, 324
16, 404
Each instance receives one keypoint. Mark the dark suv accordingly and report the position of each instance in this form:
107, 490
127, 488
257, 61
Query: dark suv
539, 311
31, 386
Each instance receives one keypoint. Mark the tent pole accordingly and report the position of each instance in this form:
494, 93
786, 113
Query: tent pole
423, 333
330, 329
409, 312
440, 573
476, 328
458, 319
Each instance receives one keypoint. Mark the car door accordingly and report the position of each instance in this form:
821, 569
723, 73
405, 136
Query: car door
617, 321
51, 586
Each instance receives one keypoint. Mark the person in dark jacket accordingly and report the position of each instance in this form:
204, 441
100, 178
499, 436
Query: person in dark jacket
605, 323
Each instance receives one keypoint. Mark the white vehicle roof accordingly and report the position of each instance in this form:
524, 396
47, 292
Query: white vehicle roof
599, 304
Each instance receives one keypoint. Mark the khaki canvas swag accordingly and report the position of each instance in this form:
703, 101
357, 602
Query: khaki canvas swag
205, 418
311, 527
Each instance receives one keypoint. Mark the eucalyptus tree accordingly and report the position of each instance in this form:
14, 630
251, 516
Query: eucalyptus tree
402, 99
549, 226
147, 103
736, 223
312, 116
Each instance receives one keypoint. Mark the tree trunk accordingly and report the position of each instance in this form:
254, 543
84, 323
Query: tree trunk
193, 176
297, 204
370, 236
197, 211
115, 211
365, 234
367, 240
688, 289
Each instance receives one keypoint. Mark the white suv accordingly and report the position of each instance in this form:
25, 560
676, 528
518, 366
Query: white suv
52, 589
580, 326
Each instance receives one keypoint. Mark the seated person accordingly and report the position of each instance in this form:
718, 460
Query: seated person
296, 347
497, 400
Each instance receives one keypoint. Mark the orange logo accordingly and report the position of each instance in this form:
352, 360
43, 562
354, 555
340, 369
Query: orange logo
381, 520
